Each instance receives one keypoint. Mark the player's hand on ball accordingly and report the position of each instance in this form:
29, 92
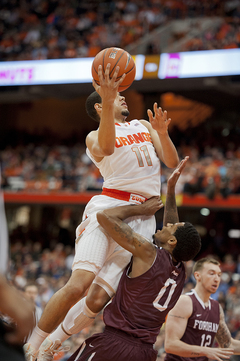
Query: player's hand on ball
116, 57
108, 87
159, 120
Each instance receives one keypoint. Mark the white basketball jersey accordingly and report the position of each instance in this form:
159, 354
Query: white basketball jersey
134, 166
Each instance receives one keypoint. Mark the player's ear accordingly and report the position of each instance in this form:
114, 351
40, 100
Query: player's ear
172, 241
98, 107
196, 275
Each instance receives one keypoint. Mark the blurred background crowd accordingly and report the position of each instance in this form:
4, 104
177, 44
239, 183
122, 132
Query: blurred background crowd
40, 29
213, 168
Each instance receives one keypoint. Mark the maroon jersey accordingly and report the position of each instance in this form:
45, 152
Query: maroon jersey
141, 304
201, 328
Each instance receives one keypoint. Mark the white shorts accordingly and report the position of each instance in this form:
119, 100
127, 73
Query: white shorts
95, 251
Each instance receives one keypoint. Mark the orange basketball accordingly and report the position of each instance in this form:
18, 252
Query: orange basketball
116, 57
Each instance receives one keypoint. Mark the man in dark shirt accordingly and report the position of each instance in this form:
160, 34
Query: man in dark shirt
150, 285
197, 319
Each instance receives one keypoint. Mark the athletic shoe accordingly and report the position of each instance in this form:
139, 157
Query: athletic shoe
48, 348
30, 352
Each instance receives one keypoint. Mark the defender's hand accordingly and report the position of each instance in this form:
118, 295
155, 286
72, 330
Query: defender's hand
151, 206
176, 174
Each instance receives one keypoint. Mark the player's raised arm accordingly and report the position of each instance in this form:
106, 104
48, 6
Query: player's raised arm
176, 324
158, 129
170, 210
112, 221
101, 143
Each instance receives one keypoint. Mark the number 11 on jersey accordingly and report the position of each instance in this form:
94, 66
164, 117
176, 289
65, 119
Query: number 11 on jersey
144, 150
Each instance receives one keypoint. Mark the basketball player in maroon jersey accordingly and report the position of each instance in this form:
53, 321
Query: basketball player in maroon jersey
150, 285
197, 319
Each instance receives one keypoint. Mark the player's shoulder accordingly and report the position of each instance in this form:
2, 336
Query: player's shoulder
214, 302
184, 306
92, 133
91, 136
185, 301
187, 297
145, 123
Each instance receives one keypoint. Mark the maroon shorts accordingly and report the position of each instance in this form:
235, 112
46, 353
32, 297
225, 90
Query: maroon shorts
114, 345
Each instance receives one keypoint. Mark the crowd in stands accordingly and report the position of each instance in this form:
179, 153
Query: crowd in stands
40, 29
49, 270
226, 36
213, 168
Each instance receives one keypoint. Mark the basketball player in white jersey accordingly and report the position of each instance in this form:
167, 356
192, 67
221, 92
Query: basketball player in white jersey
197, 319
128, 156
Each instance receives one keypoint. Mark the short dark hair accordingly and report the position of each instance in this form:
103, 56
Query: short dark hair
90, 102
200, 263
188, 242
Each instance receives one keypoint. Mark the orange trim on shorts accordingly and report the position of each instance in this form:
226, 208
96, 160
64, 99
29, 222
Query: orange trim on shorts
123, 196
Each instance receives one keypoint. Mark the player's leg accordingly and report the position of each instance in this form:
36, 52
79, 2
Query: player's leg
101, 291
60, 303
57, 308
82, 314
92, 250
103, 288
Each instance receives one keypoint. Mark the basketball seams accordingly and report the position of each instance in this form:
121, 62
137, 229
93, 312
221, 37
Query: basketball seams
117, 62
126, 72
104, 59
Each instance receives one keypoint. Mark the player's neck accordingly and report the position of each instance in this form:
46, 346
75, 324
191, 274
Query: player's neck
203, 294
121, 120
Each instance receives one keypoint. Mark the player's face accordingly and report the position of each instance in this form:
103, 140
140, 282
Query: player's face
121, 108
161, 237
210, 277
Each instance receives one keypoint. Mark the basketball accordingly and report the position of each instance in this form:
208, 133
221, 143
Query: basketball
116, 57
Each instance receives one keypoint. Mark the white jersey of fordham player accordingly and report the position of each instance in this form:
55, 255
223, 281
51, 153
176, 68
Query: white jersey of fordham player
134, 166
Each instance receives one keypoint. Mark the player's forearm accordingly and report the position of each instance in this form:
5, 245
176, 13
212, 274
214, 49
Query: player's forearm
177, 347
123, 212
170, 210
235, 345
169, 152
106, 132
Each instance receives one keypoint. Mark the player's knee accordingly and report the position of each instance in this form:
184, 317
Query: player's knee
78, 284
96, 304
73, 293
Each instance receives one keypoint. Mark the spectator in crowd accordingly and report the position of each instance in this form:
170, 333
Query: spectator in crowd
31, 294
